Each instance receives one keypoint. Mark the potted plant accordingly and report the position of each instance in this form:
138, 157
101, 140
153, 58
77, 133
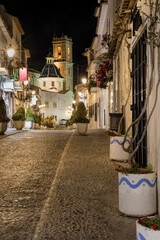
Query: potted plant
116, 151
137, 190
29, 119
148, 228
81, 120
3, 117
37, 121
19, 118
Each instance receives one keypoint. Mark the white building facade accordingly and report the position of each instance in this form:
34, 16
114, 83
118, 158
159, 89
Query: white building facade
56, 102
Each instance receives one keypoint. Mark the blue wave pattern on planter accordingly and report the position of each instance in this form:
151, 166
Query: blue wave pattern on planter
116, 140
141, 237
143, 180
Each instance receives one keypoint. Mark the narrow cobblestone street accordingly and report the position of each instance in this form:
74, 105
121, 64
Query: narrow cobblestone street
56, 185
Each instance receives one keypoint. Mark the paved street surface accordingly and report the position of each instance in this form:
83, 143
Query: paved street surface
59, 186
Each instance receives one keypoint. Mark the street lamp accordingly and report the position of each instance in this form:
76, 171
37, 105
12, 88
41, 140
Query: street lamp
10, 52
84, 81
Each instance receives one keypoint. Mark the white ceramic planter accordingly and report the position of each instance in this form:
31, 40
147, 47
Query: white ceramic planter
82, 128
19, 125
116, 150
74, 126
3, 127
137, 194
145, 233
28, 124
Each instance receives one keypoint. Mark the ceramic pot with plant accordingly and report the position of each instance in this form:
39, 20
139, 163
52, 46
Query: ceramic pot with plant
29, 119
81, 120
3, 117
148, 228
19, 118
137, 190
116, 150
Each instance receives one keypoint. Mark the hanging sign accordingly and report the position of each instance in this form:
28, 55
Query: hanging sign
22, 74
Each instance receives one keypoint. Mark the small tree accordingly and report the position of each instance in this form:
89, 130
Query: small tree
81, 113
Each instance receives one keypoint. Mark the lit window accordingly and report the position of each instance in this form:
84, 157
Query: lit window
44, 84
59, 52
69, 53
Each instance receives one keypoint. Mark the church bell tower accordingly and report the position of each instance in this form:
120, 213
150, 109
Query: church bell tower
63, 59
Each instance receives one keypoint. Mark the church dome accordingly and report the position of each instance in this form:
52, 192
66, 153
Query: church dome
50, 70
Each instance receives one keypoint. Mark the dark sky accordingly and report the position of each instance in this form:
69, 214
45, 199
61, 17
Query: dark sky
42, 19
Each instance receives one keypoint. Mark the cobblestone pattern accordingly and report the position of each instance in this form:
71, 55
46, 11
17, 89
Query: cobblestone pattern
28, 164
83, 200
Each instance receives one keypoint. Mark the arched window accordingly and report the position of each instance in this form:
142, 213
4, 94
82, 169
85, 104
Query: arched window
69, 53
59, 52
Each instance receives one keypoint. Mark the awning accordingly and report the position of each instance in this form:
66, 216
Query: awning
7, 84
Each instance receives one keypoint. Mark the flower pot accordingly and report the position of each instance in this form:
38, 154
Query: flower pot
137, 194
82, 128
145, 233
19, 125
3, 127
28, 124
36, 126
116, 150
74, 125
41, 127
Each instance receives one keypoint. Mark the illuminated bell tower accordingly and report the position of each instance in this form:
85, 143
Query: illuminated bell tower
62, 53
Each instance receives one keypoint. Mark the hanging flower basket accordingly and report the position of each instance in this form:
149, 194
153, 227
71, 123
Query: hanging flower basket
104, 74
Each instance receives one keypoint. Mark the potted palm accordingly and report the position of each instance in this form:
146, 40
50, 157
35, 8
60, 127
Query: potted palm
19, 118
148, 228
81, 120
137, 190
3, 117
29, 119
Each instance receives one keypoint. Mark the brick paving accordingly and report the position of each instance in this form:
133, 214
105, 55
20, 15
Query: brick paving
67, 191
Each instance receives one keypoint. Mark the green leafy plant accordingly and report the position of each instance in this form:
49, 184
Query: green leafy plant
81, 114
29, 115
3, 114
135, 169
150, 222
21, 110
19, 115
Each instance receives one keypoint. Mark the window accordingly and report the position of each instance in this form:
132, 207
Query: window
59, 52
46, 104
69, 53
54, 105
44, 84
69, 71
52, 83
60, 84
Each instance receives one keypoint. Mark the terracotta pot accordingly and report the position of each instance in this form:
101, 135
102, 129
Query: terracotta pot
3, 127
137, 194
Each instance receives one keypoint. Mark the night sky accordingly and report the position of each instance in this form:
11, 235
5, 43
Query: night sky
42, 19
